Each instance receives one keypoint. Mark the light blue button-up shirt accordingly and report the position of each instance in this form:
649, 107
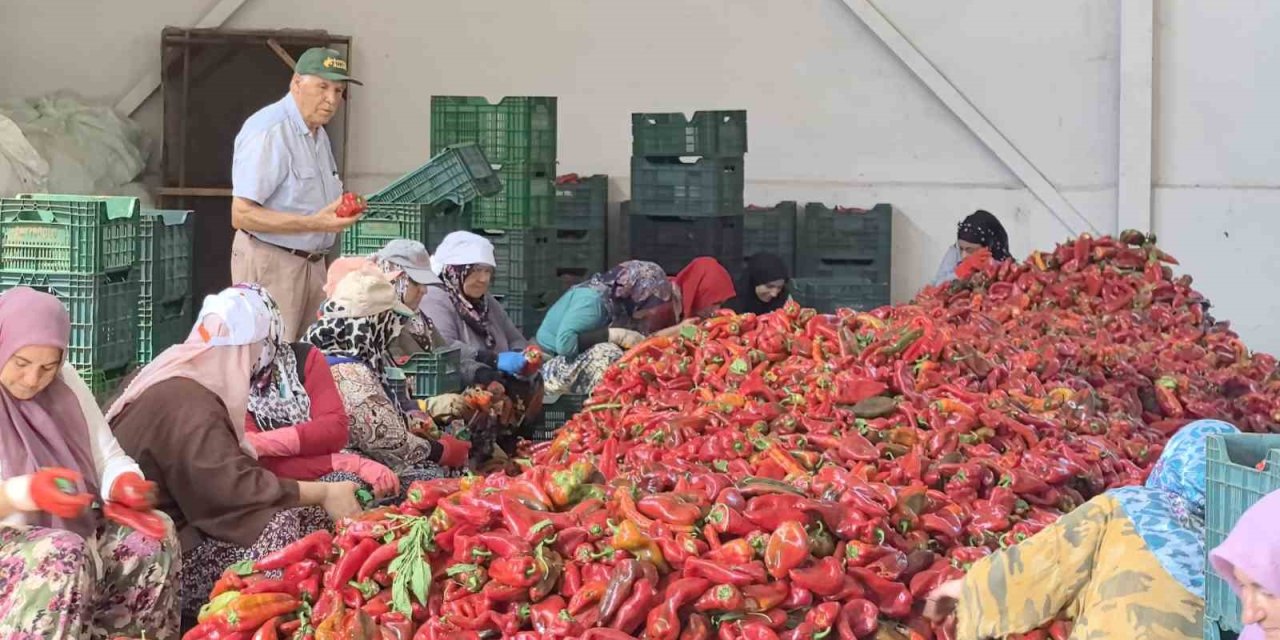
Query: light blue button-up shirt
279, 164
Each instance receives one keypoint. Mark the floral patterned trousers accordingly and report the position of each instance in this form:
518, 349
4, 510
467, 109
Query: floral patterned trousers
56, 584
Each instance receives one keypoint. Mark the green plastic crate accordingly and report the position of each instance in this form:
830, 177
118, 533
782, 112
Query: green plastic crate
162, 325
828, 294
582, 203
526, 308
712, 134
527, 199
771, 230
383, 222
708, 187
1233, 484
835, 234
556, 414
431, 374
68, 234
166, 246
104, 314
516, 129
456, 175
105, 384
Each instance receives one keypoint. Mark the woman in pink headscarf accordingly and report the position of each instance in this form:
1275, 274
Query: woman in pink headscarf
1249, 560
66, 570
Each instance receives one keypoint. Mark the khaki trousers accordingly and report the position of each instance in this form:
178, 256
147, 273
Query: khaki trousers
296, 283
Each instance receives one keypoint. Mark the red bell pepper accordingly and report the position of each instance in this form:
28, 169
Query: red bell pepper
788, 548
825, 577
315, 546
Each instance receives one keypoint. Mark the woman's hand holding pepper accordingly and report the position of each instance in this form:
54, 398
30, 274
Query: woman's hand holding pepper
54, 491
974, 263
340, 499
132, 491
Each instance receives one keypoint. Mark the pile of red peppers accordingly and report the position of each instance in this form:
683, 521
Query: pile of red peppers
794, 475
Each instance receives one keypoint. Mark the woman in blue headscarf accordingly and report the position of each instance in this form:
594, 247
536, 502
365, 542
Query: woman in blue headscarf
1127, 564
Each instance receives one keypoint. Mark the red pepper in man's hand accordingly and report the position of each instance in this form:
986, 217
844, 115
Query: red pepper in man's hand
351, 206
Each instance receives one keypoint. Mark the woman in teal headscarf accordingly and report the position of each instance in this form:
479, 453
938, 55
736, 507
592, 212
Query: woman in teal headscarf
1127, 564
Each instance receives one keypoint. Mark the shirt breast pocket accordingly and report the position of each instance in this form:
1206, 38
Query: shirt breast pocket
306, 175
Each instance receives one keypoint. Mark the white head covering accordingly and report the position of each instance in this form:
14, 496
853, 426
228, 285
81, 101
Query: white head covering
462, 247
217, 355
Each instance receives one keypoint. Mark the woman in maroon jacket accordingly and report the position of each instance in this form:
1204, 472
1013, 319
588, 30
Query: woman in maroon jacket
297, 424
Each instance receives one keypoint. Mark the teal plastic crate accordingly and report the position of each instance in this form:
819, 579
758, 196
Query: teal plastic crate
383, 222
104, 314
582, 203
527, 199
516, 129
828, 294
166, 246
712, 134
162, 325
707, 187
68, 233
556, 414
455, 176
434, 373
771, 230
1233, 484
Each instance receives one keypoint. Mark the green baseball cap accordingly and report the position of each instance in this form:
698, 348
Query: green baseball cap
326, 63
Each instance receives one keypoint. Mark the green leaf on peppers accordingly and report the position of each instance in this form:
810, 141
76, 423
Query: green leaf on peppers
242, 568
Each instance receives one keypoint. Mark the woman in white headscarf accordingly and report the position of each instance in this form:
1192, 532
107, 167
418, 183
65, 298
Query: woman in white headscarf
463, 311
183, 420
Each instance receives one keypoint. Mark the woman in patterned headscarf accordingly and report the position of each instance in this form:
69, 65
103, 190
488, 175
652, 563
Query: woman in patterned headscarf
977, 235
357, 325
1126, 564
591, 325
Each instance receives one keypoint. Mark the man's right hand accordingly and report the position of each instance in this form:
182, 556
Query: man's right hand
326, 220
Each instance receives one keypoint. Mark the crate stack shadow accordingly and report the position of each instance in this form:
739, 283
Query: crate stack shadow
686, 188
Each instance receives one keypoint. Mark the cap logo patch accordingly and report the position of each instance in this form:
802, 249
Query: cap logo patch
335, 63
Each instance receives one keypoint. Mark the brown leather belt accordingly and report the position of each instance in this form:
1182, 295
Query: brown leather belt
305, 255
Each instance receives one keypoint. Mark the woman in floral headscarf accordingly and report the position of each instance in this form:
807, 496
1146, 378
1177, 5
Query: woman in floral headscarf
591, 325
1127, 564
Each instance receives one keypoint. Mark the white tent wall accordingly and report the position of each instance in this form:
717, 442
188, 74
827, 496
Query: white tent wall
833, 114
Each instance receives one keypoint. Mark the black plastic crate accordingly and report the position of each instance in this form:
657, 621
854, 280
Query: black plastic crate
167, 244
828, 294
771, 230
867, 269
582, 203
669, 186
714, 134
162, 325
525, 308
573, 256
672, 242
556, 414
515, 129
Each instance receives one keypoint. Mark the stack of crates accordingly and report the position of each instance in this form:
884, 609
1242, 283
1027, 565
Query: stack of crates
1242, 468
686, 188
166, 246
843, 257
84, 250
518, 136
452, 178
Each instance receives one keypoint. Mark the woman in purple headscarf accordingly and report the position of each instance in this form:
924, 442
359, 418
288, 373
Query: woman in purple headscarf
66, 570
1249, 560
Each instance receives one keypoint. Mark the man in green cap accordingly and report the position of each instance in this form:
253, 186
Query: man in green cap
286, 190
